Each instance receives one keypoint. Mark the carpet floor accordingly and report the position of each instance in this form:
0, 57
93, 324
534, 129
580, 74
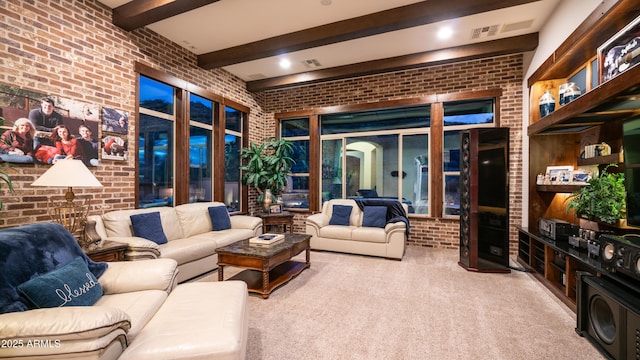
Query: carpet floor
423, 307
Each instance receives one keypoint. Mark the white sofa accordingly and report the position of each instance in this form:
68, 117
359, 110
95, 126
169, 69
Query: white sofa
191, 240
140, 315
388, 242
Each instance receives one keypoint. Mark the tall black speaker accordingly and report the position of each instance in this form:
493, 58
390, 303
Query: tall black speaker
484, 200
608, 315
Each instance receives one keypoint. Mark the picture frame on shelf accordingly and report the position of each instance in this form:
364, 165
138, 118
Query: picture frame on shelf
275, 209
560, 174
620, 53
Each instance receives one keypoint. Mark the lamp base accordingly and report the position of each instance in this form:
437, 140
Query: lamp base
90, 239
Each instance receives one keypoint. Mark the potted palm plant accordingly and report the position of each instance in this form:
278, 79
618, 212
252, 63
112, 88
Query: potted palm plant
603, 200
267, 166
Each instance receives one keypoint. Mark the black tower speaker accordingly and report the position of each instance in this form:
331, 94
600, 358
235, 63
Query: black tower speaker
484, 200
608, 316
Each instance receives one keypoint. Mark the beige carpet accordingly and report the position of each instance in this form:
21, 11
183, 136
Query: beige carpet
423, 307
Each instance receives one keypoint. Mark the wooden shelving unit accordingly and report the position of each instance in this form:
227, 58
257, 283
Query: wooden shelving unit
559, 138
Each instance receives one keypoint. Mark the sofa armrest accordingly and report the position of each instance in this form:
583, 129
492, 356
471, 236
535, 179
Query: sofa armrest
318, 220
65, 330
128, 276
395, 226
138, 248
246, 222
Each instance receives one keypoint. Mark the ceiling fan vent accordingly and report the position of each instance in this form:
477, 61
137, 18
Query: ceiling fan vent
484, 32
521, 25
311, 63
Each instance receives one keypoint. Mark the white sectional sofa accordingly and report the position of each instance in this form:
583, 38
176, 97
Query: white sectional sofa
388, 241
139, 312
189, 231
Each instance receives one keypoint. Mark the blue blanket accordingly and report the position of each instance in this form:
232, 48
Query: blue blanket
32, 250
395, 211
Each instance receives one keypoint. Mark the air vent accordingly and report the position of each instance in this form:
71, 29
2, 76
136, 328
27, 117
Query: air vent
484, 32
521, 25
311, 63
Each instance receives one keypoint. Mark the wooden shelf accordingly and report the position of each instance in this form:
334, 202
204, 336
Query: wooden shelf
616, 158
616, 99
559, 188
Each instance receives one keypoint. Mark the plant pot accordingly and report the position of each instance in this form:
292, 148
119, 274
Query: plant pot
589, 224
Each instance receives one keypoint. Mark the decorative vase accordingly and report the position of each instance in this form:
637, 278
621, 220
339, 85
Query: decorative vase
547, 104
266, 202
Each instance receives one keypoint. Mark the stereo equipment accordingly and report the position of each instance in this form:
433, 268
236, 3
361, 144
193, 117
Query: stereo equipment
593, 248
558, 230
577, 242
608, 316
619, 254
484, 200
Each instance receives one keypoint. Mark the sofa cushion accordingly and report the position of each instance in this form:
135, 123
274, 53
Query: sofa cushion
149, 226
118, 223
340, 215
340, 232
219, 218
141, 306
374, 216
71, 285
226, 237
194, 217
369, 234
188, 249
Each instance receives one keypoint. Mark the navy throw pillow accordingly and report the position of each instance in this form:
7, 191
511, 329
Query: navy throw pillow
70, 285
149, 226
340, 215
375, 216
220, 219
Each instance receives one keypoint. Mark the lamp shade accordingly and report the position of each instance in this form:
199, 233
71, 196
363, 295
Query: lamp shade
67, 173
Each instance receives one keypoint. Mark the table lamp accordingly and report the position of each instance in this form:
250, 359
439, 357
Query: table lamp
69, 173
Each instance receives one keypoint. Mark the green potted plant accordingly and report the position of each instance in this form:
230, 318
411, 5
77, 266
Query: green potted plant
267, 166
603, 200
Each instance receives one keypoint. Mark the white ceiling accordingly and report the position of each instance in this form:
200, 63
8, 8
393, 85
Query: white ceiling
229, 23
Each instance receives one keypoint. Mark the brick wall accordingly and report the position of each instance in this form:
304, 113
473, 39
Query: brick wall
69, 48
504, 72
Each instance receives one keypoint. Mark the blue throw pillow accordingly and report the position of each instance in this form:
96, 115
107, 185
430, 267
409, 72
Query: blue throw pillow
375, 216
149, 226
219, 218
70, 285
340, 215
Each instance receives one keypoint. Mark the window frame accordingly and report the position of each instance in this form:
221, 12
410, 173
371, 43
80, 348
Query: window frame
181, 134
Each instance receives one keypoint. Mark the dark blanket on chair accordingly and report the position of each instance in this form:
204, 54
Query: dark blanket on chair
395, 211
32, 250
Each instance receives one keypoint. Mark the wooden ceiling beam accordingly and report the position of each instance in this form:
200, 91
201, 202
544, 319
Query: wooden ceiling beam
512, 45
139, 13
421, 13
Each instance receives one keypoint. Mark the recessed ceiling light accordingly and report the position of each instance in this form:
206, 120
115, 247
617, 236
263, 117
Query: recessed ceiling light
445, 33
285, 63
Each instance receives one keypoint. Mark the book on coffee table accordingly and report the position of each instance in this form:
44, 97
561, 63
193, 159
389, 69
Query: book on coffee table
267, 239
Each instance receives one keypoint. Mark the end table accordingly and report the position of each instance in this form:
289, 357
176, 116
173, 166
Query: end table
285, 219
110, 251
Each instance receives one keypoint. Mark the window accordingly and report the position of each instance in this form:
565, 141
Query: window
378, 150
296, 195
458, 116
155, 143
200, 148
183, 156
232, 147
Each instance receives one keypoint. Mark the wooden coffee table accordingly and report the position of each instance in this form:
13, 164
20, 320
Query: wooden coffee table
267, 268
